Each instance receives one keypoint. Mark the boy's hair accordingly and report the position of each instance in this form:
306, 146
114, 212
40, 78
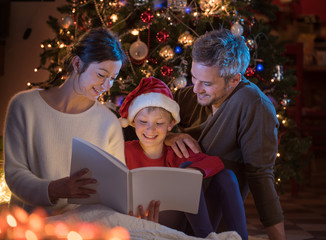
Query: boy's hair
222, 49
151, 92
152, 109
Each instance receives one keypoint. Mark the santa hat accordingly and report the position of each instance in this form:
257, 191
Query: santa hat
151, 92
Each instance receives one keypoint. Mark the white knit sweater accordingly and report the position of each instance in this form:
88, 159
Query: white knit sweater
38, 141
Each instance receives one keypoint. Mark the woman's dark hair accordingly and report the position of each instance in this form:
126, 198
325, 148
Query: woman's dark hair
96, 45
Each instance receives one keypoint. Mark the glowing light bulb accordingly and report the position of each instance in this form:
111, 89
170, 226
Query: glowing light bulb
278, 154
11, 221
114, 17
30, 235
42, 46
72, 235
135, 32
35, 70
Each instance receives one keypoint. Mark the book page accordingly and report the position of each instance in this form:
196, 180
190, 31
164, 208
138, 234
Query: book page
111, 174
176, 188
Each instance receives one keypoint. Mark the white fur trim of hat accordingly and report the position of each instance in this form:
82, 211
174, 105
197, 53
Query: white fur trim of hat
153, 99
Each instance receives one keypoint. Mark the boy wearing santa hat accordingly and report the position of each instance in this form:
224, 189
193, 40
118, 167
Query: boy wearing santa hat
151, 110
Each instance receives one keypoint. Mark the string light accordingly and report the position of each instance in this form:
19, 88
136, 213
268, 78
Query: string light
278, 155
4, 190
49, 45
135, 32
42, 46
114, 17
35, 70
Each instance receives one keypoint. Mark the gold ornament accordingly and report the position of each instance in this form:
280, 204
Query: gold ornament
210, 6
166, 52
186, 39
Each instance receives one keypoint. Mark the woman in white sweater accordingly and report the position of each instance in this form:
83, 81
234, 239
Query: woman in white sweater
41, 123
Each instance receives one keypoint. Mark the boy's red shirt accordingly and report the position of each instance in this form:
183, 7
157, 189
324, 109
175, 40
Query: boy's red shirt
136, 158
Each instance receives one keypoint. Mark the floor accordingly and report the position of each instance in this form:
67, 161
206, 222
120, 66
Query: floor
305, 212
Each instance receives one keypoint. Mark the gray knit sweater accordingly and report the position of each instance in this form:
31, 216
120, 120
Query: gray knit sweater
243, 133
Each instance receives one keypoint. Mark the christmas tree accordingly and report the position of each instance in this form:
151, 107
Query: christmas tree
157, 37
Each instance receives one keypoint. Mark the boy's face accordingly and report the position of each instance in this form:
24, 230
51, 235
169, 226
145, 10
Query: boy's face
151, 126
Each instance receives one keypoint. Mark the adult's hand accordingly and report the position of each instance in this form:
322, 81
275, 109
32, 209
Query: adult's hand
71, 187
179, 141
151, 214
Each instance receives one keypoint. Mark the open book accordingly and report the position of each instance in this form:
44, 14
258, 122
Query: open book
124, 190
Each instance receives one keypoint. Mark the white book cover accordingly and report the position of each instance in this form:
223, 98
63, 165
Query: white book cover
124, 190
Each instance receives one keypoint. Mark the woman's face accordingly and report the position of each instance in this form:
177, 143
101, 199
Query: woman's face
97, 78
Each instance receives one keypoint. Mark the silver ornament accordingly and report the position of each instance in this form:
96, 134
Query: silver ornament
138, 50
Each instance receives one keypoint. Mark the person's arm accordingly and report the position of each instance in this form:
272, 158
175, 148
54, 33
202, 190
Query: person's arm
258, 141
179, 141
22, 183
276, 232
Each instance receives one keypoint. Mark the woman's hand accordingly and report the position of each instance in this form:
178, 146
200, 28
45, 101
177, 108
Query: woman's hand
71, 187
151, 214
179, 141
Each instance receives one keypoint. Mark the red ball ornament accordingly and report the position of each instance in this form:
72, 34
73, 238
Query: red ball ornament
147, 16
250, 72
162, 36
166, 71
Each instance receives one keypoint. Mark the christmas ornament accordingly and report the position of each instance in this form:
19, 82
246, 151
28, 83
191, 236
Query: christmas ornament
177, 5
138, 50
178, 49
166, 71
166, 52
251, 44
180, 82
138, 3
237, 29
260, 67
147, 16
250, 72
186, 39
285, 102
66, 22
278, 72
162, 36
210, 6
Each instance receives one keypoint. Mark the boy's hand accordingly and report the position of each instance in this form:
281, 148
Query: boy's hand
179, 141
151, 214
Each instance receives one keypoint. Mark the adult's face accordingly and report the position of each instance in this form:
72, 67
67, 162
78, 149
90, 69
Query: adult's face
98, 78
208, 85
